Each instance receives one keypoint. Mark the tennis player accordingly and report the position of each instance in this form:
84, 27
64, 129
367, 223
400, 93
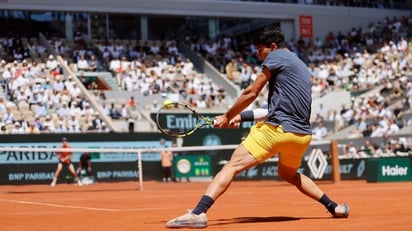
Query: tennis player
65, 159
285, 131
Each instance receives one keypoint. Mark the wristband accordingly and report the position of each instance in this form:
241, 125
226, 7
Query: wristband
247, 115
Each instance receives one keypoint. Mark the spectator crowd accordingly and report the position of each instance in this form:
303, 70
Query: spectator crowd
40, 98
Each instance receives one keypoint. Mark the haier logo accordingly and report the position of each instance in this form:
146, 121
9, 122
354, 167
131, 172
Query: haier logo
396, 170
389, 169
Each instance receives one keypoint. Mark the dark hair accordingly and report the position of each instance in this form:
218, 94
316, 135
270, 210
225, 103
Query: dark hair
269, 35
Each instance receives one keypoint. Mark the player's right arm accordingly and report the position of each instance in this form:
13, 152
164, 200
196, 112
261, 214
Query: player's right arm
245, 99
258, 114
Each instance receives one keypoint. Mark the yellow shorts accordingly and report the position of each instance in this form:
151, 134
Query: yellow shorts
266, 140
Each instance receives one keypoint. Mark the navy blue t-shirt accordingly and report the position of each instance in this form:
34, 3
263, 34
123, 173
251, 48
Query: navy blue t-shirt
290, 95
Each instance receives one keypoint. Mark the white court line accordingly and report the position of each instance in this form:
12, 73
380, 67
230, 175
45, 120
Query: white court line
59, 206
34, 213
144, 209
80, 207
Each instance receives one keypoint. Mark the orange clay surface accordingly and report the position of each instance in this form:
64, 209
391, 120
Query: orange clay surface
257, 205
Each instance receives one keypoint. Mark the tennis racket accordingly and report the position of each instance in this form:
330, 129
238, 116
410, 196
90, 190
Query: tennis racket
180, 120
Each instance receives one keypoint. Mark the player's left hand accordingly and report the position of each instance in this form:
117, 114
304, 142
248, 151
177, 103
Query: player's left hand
235, 121
221, 121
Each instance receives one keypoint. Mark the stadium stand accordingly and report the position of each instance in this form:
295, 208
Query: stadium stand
366, 71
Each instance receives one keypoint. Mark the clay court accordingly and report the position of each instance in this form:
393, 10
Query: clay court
263, 205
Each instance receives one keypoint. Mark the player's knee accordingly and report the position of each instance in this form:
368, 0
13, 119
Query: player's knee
285, 175
288, 174
236, 166
230, 168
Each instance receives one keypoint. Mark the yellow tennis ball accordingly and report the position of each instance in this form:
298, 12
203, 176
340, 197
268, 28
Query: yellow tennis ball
168, 103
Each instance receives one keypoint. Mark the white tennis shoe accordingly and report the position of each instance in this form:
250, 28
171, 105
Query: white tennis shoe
341, 211
188, 220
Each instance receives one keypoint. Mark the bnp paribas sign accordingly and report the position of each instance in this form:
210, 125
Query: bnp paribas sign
389, 169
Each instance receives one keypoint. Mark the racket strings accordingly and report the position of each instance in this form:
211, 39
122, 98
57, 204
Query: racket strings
180, 120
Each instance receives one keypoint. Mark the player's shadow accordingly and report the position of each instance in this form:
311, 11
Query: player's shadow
238, 220
259, 220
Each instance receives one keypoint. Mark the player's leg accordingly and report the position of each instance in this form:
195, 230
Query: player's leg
253, 150
164, 174
292, 148
169, 174
58, 169
56, 174
75, 176
308, 187
302, 182
80, 169
241, 159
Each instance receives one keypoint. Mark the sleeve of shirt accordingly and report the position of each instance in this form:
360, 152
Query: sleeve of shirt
273, 62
